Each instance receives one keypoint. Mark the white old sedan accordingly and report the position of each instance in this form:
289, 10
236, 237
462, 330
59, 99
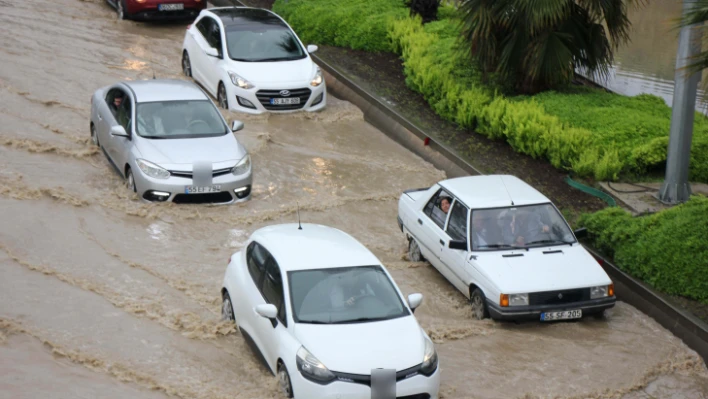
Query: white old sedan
506, 247
324, 314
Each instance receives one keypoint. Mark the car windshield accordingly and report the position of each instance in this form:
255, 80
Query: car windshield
179, 119
261, 43
518, 227
344, 295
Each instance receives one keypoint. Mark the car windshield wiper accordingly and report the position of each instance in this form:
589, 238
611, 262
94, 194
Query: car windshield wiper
550, 242
314, 322
155, 137
277, 59
361, 319
497, 246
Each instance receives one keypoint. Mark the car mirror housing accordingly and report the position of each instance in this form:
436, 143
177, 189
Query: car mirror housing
236, 126
414, 300
581, 232
212, 52
267, 310
311, 48
458, 244
118, 130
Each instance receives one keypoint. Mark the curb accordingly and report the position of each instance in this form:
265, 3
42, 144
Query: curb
690, 329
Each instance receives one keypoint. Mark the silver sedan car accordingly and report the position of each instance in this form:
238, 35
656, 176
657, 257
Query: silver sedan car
170, 143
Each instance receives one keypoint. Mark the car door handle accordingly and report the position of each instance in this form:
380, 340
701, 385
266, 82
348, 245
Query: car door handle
442, 243
420, 222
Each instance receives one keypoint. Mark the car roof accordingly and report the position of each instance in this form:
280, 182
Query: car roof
493, 191
314, 247
232, 16
164, 90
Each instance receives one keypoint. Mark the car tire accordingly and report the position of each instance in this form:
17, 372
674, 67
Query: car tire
286, 386
414, 254
221, 96
94, 136
227, 308
186, 65
130, 181
479, 304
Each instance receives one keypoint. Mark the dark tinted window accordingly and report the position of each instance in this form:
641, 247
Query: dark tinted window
434, 208
203, 26
273, 288
457, 226
256, 256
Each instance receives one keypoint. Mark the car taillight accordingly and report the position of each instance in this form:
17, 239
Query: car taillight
189, 26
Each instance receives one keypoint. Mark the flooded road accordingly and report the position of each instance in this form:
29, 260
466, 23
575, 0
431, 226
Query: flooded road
104, 295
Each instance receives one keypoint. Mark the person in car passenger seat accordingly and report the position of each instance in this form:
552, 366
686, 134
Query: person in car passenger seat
117, 101
445, 204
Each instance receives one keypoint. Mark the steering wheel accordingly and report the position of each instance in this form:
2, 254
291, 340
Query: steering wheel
196, 122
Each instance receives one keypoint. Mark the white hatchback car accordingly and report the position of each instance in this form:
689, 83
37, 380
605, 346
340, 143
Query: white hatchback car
251, 61
506, 247
324, 313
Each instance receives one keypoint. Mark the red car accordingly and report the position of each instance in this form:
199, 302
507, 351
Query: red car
158, 9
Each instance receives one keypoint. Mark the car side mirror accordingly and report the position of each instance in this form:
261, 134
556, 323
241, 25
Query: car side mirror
212, 52
581, 232
119, 131
236, 126
267, 310
458, 244
414, 300
311, 48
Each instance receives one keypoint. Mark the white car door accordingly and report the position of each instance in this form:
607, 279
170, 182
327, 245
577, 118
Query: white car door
214, 65
198, 56
453, 258
271, 331
433, 219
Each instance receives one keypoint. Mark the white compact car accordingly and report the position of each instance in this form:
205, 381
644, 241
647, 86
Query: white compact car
251, 61
506, 247
324, 313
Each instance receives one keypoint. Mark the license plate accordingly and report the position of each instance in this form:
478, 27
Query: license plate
285, 101
199, 190
564, 315
170, 7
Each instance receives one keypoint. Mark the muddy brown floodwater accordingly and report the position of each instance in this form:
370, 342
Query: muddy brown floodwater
104, 295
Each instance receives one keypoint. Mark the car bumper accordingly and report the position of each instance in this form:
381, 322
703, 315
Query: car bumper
417, 387
256, 100
534, 312
152, 13
234, 189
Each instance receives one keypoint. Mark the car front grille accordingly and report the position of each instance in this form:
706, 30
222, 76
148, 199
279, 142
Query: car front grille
366, 379
559, 297
264, 97
188, 175
203, 198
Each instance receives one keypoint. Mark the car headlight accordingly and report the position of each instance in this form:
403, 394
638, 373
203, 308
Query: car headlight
311, 368
430, 359
318, 79
239, 81
602, 291
152, 170
242, 166
518, 300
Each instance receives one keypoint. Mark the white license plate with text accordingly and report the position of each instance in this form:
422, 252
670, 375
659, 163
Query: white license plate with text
171, 7
285, 101
562, 315
200, 190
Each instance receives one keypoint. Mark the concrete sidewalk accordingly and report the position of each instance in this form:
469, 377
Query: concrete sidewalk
641, 197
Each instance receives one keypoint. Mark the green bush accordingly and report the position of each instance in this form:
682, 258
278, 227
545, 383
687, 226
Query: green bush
666, 249
589, 131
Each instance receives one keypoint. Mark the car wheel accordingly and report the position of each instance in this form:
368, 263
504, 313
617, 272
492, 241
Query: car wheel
227, 309
186, 65
284, 381
94, 136
221, 97
479, 304
414, 254
130, 181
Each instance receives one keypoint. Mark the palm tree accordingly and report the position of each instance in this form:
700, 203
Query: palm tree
697, 14
534, 45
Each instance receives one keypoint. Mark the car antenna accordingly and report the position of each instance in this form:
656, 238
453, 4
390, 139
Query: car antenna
507, 192
299, 225
153, 74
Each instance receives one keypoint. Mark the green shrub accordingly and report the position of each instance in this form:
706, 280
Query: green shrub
665, 249
589, 131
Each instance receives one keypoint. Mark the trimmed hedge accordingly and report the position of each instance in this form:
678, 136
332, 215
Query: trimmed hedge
667, 249
589, 131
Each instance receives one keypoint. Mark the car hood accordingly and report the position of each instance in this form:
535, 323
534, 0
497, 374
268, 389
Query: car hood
542, 269
357, 348
273, 75
181, 154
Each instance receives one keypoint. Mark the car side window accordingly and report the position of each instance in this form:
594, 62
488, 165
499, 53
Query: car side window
256, 257
434, 208
214, 35
203, 26
457, 225
273, 288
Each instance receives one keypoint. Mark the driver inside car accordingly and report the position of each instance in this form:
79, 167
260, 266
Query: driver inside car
526, 227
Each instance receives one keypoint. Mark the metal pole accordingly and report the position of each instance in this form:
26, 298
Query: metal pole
676, 188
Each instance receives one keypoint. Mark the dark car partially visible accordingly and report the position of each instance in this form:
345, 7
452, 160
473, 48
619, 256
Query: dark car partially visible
157, 9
